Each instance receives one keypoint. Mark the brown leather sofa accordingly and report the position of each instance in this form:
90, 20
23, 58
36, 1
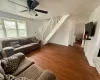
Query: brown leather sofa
23, 45
28, 69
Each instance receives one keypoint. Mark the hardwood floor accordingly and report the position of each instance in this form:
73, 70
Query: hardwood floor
67, 63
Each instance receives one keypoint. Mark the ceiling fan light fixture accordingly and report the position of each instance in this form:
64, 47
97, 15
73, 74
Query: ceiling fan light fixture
36, 14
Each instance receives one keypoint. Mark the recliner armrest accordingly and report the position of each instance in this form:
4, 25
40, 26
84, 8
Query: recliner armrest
24, 64
47, 75
20, 55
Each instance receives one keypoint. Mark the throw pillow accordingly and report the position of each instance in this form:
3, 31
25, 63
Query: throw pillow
34, 39
30, 40
10, 64
11, 77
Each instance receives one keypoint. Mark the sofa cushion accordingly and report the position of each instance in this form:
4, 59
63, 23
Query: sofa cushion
24, 41
10, 64
26, 47
33, 72
30, 45
19, 48
15, 44
24, 64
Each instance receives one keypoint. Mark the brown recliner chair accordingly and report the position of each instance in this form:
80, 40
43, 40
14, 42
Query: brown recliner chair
28, 69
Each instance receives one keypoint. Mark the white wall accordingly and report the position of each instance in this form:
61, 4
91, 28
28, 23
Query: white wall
91, 47
64, 35
71, 30
79, 30
32, 25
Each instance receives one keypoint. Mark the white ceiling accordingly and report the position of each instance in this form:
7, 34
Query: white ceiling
80, 9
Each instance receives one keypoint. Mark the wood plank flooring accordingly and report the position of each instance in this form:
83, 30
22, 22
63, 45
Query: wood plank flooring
67, 63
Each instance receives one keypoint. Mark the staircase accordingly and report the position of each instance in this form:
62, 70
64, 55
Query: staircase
53, 25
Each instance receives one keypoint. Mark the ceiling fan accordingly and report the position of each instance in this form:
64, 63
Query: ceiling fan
31, 5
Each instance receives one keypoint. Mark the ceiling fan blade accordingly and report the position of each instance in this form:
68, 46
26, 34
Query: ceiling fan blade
41, 11
17, 4
24, 11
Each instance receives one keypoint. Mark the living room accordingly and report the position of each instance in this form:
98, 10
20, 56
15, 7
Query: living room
37, 40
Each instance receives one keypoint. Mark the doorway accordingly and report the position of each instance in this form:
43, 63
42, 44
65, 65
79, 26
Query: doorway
78, 41
79, 31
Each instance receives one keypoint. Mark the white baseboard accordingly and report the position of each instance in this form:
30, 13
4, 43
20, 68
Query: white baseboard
90, 62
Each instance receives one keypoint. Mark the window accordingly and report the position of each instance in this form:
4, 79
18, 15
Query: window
12, 28
1, 29
1, 32
22, 29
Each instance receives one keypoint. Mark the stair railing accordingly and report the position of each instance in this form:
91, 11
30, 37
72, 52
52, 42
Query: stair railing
51, 24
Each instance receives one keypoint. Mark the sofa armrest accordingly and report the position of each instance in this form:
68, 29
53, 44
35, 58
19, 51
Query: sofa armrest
47, 75
8, 51
39, 41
